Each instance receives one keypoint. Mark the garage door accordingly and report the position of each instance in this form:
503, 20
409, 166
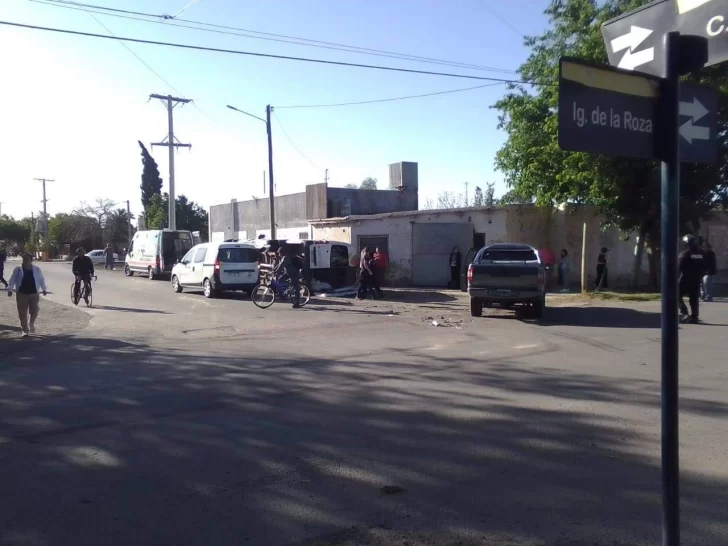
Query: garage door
432, 245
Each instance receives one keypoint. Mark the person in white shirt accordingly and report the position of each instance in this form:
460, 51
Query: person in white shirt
27, 280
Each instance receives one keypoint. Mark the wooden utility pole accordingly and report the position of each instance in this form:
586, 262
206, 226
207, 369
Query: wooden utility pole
170, 102
45, 210
271, 187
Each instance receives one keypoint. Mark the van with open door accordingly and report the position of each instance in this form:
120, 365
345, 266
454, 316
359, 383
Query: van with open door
153, 253
217, 267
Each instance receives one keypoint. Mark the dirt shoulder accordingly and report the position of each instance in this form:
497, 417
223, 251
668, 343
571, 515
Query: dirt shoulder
54, 320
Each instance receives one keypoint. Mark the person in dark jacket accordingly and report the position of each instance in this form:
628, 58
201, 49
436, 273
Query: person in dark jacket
3, 258
601, 281
83, 269
456, 262
691, 267
710, 271
366, 272
373, 279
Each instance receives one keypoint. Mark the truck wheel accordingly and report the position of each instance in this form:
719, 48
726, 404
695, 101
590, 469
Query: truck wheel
476, 307
538, 307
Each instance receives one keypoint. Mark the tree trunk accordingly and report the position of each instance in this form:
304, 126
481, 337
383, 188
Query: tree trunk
639, 254
653, 259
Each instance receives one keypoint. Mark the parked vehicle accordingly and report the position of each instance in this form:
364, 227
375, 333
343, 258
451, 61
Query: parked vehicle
217, 267
507, 274
467, 260
98, 258
155, 252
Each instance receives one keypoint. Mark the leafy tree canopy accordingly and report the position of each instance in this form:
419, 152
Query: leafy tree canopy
151, 181
369, 183
627, 190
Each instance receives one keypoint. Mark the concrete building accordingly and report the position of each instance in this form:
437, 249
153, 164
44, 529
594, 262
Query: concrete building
419, 242
251, 219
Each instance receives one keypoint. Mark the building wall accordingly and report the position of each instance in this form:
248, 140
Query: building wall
351, 201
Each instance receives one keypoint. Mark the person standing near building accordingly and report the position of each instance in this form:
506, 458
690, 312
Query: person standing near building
3, 258
710, 271
601, 281
365, 272
563, 271
373, 281
456, 262
691, 266
381, 261
27, 281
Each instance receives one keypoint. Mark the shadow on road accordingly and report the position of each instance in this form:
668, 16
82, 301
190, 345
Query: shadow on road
129, 309
126, 444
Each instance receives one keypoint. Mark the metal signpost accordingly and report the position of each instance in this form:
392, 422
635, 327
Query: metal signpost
640, 109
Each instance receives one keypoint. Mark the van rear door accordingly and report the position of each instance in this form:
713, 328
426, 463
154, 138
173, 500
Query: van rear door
237, 264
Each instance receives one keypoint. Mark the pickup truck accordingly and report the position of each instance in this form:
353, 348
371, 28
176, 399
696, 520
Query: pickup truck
507, 274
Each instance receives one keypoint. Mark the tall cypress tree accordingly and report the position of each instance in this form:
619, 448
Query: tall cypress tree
151, 181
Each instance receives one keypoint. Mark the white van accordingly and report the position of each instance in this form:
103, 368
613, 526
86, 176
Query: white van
154, 252
216, 267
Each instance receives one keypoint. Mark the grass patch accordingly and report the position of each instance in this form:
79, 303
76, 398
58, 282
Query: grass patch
626, 296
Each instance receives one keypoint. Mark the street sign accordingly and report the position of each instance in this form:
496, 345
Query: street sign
607, 110
698, 123
634, 40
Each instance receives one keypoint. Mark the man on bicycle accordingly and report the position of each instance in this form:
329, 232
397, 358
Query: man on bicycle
83, 270
290, 265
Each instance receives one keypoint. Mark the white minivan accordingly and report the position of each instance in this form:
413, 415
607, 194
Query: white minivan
217, 267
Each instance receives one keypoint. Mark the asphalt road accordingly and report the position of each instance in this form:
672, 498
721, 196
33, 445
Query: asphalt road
172, 419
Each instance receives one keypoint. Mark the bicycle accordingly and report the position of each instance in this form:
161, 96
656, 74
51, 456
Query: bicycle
84, 292
265, 294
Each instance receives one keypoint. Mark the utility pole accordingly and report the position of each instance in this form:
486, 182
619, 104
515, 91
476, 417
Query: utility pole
128, 219
45, 210
326, 177
271, 187
264, 183
466, 194
170, 143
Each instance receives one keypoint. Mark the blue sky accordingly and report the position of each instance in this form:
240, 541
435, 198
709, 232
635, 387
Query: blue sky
74, 107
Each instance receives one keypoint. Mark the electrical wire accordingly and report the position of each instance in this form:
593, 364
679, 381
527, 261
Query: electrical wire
189, 5
502, 19
257, 54
290, 141
393, 98
194, 104
258, 35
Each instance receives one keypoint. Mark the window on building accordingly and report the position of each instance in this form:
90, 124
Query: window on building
302, 235
339, 256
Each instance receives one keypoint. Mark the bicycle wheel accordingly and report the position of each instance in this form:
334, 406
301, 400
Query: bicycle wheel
74, 300
89, 297
305, 295
263, 296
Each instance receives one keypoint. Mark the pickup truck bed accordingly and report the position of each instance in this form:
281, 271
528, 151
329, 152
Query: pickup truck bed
507, 275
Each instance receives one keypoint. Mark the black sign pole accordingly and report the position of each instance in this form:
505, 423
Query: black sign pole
670, 326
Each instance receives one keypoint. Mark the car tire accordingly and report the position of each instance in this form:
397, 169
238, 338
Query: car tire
150, 274
176, 286
207, 289
476, 307
538, 307
127, 271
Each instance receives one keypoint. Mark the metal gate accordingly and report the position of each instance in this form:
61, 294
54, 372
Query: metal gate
431, 248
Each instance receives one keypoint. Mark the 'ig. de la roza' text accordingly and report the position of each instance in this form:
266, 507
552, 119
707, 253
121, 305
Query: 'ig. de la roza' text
611, 118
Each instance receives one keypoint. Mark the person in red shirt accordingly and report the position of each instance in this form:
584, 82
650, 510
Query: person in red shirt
381, 261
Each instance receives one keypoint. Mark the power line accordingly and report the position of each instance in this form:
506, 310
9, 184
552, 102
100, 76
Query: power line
304, 156
257, 54
189, 5
393, 98
502, 19
149, 67
259, 35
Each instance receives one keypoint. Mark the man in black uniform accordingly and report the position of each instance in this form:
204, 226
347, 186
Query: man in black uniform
691, 266
83, 270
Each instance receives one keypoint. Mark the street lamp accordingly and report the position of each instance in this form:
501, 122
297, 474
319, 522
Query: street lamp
271, 197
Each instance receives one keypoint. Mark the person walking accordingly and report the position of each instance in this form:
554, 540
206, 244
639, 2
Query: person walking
456, 262
563, 271
373, 279
710, 271
601, 280
691, 266
365, 273
109, 257
3, 258
381, 261
27, 281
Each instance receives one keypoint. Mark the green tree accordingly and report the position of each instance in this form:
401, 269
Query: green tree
71, 229
13, 232
151, 181
478, 198
489, 199
116, 229
627, 190
369, 183
156, 213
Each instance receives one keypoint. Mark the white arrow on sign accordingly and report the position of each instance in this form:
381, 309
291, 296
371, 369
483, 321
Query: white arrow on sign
631, 40
630, 61
694, 109
692, 132
683, 6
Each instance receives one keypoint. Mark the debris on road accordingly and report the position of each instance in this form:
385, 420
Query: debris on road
392, 489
